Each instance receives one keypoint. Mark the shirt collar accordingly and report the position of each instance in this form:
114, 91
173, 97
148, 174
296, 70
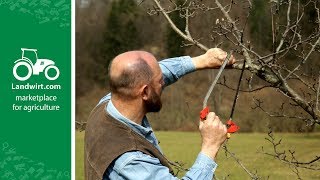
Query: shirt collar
144, 129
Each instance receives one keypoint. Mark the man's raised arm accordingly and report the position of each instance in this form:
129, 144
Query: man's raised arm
174, 68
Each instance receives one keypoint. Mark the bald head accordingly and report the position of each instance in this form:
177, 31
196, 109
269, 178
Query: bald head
130, 70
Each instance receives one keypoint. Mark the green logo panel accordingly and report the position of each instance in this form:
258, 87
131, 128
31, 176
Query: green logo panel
35, 91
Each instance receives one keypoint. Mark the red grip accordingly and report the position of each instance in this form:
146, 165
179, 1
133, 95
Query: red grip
232, 127
204, 112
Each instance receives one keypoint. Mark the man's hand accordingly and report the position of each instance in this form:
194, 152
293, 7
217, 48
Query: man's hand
213, 58
213, 133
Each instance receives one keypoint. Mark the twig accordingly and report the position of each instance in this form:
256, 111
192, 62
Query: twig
245, 91
178, 166
258, 104
283, 155
287, 27
252, 176
305, 58
177, 30
318, 94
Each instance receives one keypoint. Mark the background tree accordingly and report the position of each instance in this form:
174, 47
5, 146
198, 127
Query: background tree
278, 39
259, 23
90, 23
174, 42
282, 68
269, 66
121, 33
203, 22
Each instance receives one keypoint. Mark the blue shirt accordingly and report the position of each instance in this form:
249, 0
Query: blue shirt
137, 165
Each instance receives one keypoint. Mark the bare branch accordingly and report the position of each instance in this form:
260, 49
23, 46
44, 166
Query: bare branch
246, 91
258, 104
249, 1
178, 166
81, 125
288, 40
238, 34
177, 30
269, 56
305, 58
187, 23
284, 155
252, 175
287, 27
318, 94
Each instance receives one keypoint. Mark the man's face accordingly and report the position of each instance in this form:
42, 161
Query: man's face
153, 104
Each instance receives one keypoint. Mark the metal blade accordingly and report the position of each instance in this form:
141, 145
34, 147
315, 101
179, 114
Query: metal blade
225, 62
237, 92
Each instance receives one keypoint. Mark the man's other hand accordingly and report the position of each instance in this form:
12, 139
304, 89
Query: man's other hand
213, 58
213, 133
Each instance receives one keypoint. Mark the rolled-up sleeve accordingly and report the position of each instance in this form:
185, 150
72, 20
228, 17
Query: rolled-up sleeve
174, 68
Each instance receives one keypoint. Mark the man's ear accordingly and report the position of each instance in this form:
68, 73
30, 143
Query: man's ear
145, 92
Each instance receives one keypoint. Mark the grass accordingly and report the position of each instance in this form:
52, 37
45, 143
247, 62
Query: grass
184, 147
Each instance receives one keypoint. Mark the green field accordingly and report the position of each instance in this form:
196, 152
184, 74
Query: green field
184, 147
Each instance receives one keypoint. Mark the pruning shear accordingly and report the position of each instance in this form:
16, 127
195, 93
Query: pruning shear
231, 126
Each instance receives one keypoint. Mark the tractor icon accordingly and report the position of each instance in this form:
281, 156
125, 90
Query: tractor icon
39, 66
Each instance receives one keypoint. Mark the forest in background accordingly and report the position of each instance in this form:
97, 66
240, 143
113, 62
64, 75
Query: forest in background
107, 28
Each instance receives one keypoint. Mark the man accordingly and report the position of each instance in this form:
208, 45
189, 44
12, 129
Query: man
119, 141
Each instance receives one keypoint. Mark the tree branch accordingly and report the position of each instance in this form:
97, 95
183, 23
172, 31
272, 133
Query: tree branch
177, 30
305, 58
318, 94
283, 155
252, 176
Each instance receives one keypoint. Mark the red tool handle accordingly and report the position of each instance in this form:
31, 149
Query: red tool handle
232, 127
203, 113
